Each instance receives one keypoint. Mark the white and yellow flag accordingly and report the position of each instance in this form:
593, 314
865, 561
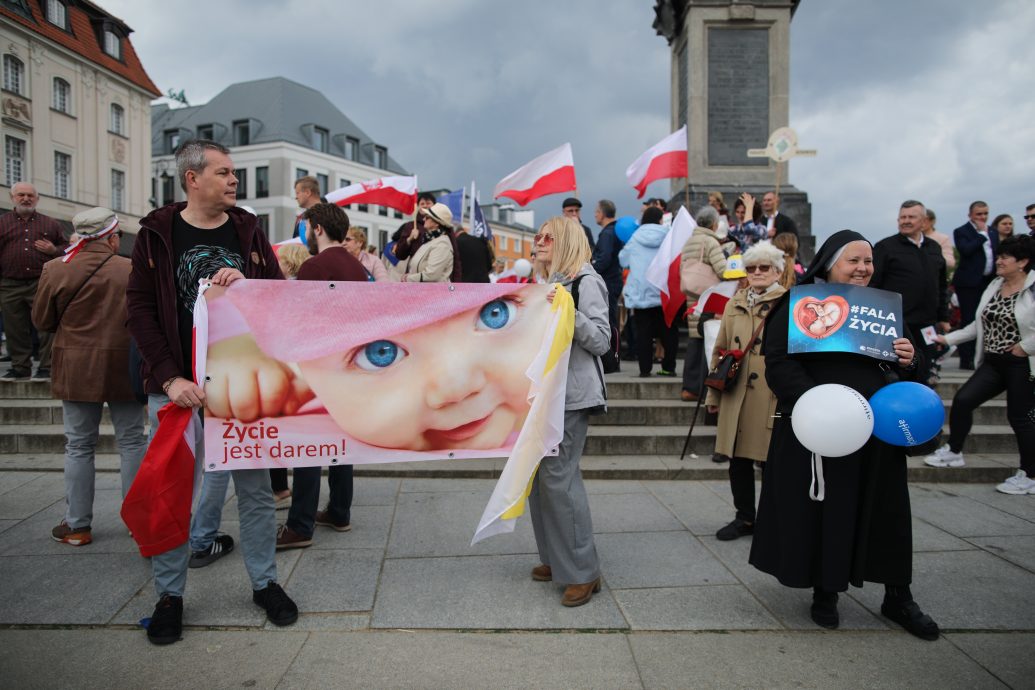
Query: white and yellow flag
544, 427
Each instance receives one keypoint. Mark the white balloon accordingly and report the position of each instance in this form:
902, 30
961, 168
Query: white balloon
523, 268
832, 420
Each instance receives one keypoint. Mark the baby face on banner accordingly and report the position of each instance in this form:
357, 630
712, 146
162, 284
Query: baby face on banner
457, 383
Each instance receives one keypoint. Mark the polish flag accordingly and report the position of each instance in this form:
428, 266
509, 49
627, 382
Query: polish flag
550, 173
399, 193
714, 299
663, 271
665, 159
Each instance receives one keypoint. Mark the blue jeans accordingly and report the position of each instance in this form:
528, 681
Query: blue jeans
82, 421
257, 515
208, 513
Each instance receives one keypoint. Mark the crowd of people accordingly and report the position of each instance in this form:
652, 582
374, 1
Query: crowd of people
860, 533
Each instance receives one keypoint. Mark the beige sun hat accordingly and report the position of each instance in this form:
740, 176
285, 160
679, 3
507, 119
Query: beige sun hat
441, 214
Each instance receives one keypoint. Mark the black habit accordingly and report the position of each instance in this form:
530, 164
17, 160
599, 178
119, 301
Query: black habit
862, 531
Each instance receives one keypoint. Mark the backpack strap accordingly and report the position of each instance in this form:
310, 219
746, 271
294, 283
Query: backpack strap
575, 290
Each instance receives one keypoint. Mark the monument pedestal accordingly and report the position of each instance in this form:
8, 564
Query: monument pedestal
730, 86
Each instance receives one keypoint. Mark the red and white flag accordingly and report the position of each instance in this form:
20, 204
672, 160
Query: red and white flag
399, 193
550, 173
663, 271
665, 159
714, 299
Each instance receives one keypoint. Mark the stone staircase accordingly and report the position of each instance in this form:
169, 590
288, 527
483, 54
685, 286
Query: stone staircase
640, 437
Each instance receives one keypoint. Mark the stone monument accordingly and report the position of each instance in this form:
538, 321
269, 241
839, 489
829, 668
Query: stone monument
730, 86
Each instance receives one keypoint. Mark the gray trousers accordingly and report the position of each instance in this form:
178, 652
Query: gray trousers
559, 509
82, 422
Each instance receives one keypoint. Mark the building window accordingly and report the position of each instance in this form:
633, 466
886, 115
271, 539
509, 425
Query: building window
382, 211
262, 182
382, 240
380, 157
118, 121
118, 190
351, 148
342, 183
242, 133
14, 75
172, 140
300, 173
322, 179
62, 96
398, 214
205, 132
57, 13
13, 160
62, 175
264, 224
242, 182
112, 44
168, 189
362, 208
320, 139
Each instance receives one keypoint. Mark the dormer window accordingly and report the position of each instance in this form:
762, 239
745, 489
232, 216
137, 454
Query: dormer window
112, 44
57, 14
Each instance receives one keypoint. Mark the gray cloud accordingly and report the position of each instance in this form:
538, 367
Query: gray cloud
918, 99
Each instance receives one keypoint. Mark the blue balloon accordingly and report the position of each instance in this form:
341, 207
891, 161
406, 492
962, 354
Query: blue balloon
625, 227
906, 414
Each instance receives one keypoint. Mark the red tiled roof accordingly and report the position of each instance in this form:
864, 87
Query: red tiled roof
83, 41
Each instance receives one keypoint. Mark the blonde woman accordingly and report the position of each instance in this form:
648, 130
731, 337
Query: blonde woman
291, 257
355, 243
558, 504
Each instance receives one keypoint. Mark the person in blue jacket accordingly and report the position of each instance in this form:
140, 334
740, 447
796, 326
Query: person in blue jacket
644, 298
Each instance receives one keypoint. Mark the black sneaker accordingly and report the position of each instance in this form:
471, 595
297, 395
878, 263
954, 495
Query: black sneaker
909, 616
736, 529
279, 608
166, 624
221, 546
16, 375
42, 374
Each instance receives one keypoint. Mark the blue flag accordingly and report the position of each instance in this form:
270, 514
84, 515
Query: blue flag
455, 202
479, 228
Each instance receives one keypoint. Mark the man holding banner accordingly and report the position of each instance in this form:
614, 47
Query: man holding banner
179, 245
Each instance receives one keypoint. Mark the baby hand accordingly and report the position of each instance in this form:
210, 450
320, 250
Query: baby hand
245, 384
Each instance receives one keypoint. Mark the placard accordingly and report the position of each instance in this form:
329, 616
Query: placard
835, 317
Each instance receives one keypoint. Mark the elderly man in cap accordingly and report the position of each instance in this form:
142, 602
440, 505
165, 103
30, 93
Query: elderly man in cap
572, 208
82, 300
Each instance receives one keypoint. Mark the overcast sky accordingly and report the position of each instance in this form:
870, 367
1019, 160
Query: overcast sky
922, 99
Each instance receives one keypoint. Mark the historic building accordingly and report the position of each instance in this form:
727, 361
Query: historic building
75, 105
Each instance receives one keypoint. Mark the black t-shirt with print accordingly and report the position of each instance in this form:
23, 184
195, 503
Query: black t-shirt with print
199, 253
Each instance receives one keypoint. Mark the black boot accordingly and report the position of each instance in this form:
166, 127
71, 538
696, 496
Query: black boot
824, 609
899, 606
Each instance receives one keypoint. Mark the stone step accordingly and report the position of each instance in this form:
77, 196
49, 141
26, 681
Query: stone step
668, 440
667, 413
981, 468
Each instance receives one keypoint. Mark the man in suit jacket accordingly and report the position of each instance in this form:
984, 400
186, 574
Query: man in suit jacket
976, 269
775, 221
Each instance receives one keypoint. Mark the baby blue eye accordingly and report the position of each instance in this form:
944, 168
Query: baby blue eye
495, 315
378, 355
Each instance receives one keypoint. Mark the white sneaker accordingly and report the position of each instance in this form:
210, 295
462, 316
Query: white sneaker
943, 457
1018, 485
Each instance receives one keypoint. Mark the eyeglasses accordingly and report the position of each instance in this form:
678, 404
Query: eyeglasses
543, 238
1031, 217
118, 233
761, 268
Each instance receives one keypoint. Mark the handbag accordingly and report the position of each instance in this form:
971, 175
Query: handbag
724, 375
695, 277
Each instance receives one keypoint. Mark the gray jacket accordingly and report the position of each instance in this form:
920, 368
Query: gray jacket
592, 338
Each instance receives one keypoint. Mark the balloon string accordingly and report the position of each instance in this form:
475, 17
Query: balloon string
817, 490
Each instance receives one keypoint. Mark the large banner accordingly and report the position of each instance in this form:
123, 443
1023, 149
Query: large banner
302, 373
835, 317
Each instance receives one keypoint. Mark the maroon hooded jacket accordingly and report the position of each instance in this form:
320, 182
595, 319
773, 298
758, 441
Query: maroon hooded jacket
151, 293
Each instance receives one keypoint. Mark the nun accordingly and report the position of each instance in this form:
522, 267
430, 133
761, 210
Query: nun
861, 531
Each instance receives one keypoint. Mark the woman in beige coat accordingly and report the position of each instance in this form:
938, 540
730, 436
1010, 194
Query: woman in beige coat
703, 247
433, 262
746, 409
